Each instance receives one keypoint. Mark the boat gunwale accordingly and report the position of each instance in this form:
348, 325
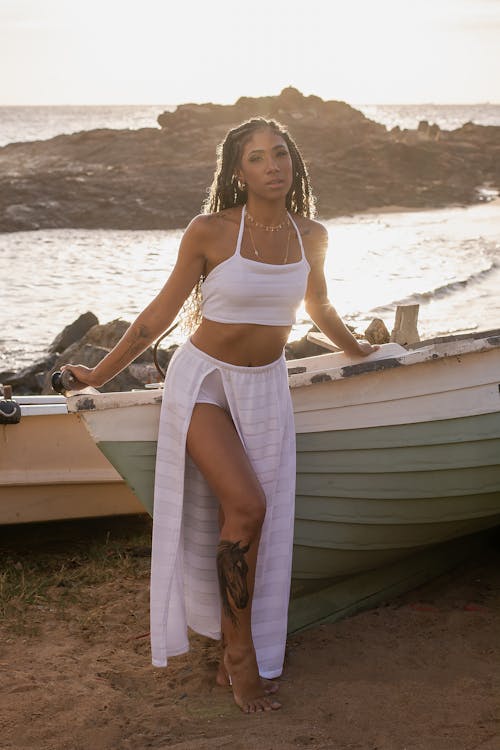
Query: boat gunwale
299, 375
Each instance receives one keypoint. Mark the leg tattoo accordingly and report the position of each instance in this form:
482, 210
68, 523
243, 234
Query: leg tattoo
232, 569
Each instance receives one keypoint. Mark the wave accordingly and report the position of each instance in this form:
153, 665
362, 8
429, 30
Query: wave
440, 291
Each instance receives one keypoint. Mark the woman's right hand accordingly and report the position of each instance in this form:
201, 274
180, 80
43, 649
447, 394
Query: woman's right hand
83, 375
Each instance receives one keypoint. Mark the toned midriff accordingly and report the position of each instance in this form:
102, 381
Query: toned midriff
244, 344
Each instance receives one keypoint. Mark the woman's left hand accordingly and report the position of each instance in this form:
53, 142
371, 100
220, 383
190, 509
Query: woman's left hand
365, 348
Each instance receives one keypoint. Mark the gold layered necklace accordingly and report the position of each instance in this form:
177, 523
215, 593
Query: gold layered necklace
268, 227
256, 252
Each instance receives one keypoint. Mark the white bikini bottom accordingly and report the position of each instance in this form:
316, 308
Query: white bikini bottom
212, 391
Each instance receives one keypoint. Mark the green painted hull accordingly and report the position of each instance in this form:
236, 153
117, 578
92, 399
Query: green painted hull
368, 497
329, 603
135, 462
389, 497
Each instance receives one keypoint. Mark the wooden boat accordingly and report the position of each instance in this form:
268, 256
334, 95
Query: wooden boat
398, 454
51, 469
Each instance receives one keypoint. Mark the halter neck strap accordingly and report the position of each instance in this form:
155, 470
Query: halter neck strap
242, 227
240, 233
298, 236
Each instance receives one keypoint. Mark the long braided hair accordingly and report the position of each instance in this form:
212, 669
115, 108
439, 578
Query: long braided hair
226, 191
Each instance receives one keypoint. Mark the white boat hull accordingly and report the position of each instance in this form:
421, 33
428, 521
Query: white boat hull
51, 469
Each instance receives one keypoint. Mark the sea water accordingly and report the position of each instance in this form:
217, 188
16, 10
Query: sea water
447, 260
22, 123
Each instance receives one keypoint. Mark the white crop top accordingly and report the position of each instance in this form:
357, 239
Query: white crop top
242, 290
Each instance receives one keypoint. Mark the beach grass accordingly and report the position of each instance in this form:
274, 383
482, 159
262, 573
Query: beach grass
49, 566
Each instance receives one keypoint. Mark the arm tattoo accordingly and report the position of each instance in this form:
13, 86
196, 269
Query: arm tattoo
232, 569
140, 340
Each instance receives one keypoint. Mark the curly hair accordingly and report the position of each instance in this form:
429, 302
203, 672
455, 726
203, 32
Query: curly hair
226, 191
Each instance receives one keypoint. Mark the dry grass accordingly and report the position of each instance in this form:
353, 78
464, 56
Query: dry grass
52, 565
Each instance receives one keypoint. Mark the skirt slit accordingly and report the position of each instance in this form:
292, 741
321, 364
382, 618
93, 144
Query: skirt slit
184, 585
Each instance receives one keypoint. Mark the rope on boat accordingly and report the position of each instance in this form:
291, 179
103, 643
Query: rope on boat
155, 348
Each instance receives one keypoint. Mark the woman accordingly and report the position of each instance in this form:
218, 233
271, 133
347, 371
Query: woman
226, 448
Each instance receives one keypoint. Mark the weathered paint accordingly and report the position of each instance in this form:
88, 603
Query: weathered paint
86, 404
354, 515
381, 364
368, 496
324, 367
322, 377
334, 600
442, 348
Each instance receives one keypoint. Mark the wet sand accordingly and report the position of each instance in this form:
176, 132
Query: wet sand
421, 673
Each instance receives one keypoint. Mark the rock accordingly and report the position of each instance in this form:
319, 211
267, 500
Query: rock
89, 355
29, 380
303, 348
22, 215
144, 367
377, 332
156, 178
353, 331
426, 132
106, 334
94, 345
89, 350
73, 332
434, 132
144, 373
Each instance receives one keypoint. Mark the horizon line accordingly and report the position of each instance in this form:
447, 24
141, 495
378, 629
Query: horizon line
160, 104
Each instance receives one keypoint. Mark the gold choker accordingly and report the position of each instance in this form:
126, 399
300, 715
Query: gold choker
273, 228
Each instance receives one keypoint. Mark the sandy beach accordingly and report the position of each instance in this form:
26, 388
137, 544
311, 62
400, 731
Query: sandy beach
420, 673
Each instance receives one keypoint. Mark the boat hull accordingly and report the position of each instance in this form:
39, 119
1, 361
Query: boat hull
51, 469
394, 458
360, 506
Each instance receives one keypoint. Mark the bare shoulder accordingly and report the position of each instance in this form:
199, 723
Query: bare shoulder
207, 226
314, 235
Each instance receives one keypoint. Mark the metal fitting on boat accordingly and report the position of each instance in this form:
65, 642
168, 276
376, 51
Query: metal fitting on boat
63, 381
10, 411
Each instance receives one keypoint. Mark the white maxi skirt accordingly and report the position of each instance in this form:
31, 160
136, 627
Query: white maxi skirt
184, 583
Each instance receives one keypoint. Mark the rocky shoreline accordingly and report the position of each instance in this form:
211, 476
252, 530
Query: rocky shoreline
85, 341
156, 178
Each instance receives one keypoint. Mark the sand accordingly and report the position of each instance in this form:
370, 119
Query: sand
420, 673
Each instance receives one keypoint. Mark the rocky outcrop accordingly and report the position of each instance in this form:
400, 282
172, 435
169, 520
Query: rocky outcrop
157, 178
30, 380
99, 339
302, 348
73, 332
87, 350
377, 332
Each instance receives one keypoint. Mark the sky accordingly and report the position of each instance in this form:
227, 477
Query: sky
164, 52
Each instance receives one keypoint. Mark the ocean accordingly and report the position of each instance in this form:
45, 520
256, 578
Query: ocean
41, 122
447, 260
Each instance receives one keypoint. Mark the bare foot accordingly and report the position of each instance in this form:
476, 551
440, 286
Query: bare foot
222, 679
248, 691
